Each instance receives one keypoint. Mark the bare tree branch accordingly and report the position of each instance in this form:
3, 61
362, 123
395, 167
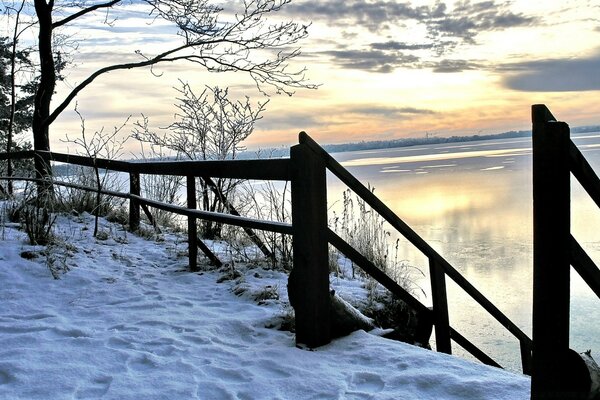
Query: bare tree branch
83, 12
219, 46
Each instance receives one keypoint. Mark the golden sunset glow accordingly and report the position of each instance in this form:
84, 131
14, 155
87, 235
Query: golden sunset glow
386, 70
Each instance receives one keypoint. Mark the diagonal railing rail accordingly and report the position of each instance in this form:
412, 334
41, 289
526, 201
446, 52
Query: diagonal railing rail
439, 269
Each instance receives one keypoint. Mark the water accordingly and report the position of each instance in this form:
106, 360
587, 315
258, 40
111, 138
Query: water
472, 202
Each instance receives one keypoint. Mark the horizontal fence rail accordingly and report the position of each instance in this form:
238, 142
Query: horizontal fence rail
268, 169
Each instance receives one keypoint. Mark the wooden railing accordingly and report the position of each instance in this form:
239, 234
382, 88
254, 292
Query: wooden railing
308, 285
556, 369
273, 169
439, 267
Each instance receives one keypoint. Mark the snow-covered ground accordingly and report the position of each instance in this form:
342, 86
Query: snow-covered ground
127, 321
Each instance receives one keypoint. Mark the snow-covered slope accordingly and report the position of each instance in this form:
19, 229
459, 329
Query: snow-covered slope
129, 322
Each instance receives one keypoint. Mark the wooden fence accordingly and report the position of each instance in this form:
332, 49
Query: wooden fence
309, 280
556, 369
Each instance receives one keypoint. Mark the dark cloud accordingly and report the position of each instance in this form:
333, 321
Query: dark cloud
386, 57
371, 60
387, 111
450, 66
393, 45
557, 75
446, 29
464, 22
468, 19
373, 15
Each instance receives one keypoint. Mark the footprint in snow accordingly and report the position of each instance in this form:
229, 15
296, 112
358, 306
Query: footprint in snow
366, 382
142, 364
5, 377
97, 388
270, 369
228, 375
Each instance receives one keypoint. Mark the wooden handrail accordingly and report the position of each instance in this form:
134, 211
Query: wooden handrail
17, 155
583, 171
362, 191
269, 169
377, 274
585, 267
471, 348
541, 114
271, 226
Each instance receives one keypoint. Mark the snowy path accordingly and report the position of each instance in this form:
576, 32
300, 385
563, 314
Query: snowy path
128, 322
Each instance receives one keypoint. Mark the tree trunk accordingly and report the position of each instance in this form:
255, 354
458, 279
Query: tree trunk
45, 90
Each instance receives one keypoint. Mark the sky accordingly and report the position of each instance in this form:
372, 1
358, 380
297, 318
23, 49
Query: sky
385, 70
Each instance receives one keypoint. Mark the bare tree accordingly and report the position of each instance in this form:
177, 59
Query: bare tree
212, 38
209, 126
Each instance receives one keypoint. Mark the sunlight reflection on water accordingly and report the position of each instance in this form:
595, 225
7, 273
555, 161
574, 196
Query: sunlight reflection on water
476, 211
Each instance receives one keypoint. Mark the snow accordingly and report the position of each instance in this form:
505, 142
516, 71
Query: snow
128, 321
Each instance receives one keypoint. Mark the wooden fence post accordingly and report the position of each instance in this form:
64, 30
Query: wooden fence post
551, 263
192, 228
440, 307
308, 285
134, 206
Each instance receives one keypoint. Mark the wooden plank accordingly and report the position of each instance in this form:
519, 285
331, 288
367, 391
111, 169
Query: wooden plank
134, 204
551, 257
584, 173
209, 254
192, 228
383, 210
271, 226
279, 227
483, 301
69, 184
272, 169
17, 155
377, 274
440, 307
472, 349
232, 210
540, 114
113, 165
269, 169
585, 267
526, 361
308, 284
150, 217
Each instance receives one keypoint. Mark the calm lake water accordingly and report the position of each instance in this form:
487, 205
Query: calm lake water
472, 202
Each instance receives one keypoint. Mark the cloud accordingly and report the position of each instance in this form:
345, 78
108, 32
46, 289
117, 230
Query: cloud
443, 29
467, 20
464, 22
373, 15
554, 75
295, 121
394, 45
387, 111
451, 66
371, 60
309, 119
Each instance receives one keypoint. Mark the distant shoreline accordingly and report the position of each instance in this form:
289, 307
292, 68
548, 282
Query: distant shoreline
388, 144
